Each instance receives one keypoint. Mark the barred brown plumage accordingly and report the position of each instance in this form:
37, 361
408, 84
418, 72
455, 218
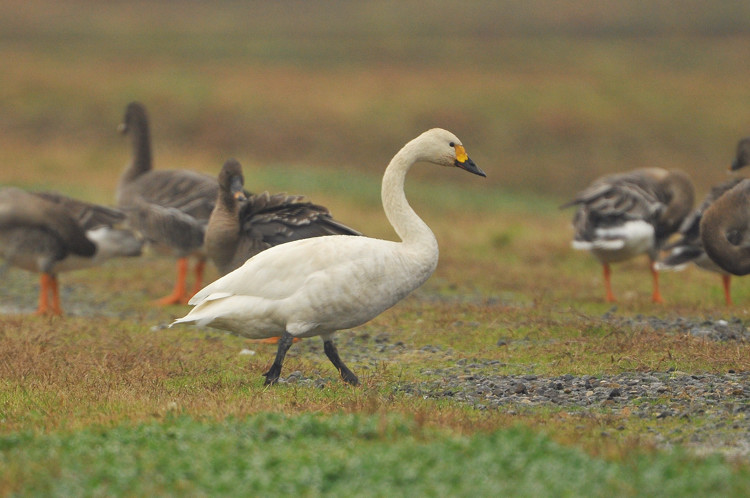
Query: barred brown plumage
243, 224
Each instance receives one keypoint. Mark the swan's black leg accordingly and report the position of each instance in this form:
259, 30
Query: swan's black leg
333, 355
272, 376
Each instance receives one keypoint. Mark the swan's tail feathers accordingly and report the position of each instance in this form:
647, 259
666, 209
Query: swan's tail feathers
199, 321
197, 316
201, 296
204, 311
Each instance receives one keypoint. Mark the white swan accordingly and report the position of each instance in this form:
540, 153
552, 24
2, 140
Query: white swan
318, 286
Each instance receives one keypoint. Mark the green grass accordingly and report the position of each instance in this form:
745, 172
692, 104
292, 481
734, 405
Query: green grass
271, 454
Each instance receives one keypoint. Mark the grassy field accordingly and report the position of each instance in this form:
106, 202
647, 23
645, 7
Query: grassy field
314, 98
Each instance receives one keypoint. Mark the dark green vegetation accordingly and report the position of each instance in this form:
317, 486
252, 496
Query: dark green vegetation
314, 98
362, 455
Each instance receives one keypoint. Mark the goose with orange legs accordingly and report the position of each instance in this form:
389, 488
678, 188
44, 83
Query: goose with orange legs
688, 248
725, 230
49, 233
624, 215
169, 207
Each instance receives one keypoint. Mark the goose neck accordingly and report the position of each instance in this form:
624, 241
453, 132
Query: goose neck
141, 151
227, 202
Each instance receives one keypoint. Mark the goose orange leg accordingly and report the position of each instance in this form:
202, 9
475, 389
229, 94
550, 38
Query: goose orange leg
178, 294
609, 297
656, 296
726, 281
48, 287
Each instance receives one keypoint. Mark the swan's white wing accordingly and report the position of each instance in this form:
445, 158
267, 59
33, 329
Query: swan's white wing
279, 271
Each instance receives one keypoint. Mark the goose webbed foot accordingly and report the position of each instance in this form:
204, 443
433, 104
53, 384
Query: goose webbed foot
179, 294
333, 355
285, 342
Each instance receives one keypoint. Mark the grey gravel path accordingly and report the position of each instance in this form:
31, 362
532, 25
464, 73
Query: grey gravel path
714, 407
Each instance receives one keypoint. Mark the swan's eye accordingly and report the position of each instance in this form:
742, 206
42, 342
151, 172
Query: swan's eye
452, 144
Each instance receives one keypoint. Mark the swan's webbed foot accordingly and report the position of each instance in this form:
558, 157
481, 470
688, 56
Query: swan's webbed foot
285, 342
333, 355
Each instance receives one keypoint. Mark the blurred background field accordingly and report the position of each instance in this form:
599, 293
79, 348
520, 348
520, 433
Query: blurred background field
545, 95
315, 97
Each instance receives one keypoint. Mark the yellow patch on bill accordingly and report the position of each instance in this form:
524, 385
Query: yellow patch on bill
461, 155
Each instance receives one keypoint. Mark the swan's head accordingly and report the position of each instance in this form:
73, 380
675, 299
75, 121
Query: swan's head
135, 116
231, 180
742, 158
442, 147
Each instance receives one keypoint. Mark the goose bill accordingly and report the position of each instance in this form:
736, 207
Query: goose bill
236, 187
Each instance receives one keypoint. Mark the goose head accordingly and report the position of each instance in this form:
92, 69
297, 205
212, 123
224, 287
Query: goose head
677, 192
135, 118
443, 148
742, 158
231, 180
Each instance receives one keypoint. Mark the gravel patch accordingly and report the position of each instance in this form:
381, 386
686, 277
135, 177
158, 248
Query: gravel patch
714, 330
718, 403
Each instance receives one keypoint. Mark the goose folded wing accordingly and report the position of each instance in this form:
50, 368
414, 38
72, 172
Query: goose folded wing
22, 209
279, 218
90, 216
166, 225
187, 191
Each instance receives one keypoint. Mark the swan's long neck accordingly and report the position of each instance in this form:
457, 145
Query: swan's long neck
718, 225
409, 227
141, 147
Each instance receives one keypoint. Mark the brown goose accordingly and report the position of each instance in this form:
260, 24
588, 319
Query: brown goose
242, 226
689, 247
170, 208
725, 230
50, 233
623, 215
